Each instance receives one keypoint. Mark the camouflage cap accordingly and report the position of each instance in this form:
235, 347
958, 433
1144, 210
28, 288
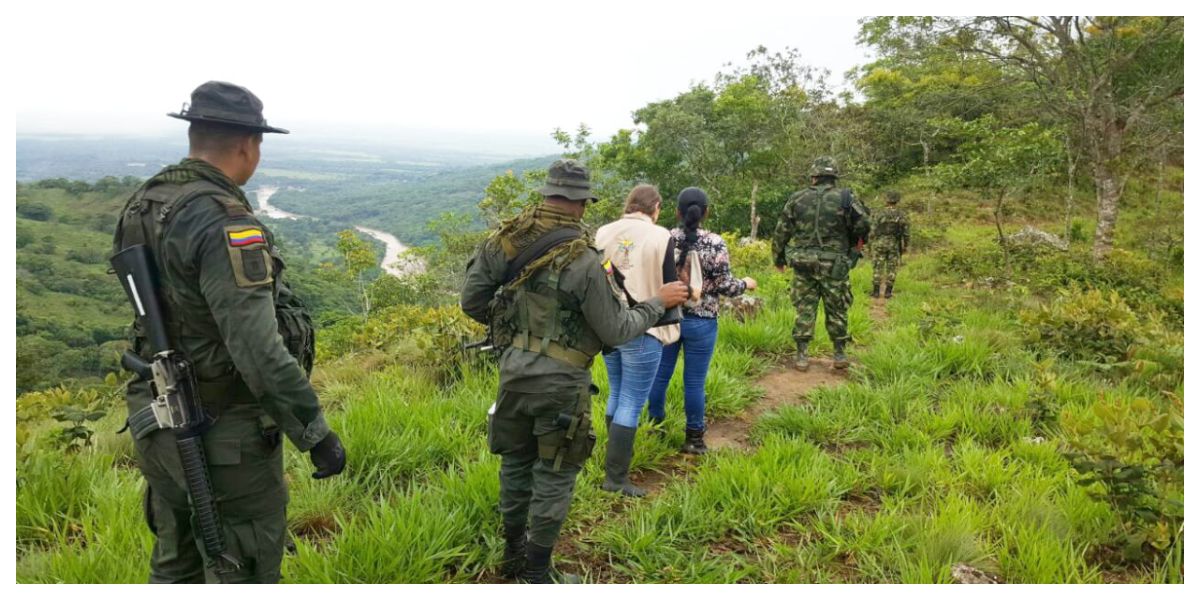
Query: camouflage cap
892, 196
227, 104
568, 178
823, 166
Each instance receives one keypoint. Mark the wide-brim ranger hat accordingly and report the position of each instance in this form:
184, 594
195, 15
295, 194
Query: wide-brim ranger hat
568, 178
227, 104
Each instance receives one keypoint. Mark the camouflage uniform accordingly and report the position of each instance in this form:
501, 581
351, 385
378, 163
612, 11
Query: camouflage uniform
560, 312
815, 233
889, 241
231, 314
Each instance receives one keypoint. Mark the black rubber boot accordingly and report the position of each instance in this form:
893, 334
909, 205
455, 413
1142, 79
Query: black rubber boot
616, 463
888, 293
839, 355
875, 290
801, 361
693, 441
513, 562
538, 568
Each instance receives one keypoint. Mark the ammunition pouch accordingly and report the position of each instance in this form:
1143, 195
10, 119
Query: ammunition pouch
817, 262
572, 443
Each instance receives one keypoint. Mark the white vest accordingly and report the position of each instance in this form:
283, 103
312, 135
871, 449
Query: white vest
638, 247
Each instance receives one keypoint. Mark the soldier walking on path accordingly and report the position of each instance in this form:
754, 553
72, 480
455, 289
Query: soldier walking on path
552, 304
889, 241
248, 339
818, 236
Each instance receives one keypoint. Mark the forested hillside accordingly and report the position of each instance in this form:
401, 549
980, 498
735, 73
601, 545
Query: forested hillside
1014, 414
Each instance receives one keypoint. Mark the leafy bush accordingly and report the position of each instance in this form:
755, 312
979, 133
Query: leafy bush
1086, 325
1133, 450
423, 335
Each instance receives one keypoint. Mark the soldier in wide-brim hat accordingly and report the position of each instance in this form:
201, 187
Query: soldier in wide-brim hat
248, 338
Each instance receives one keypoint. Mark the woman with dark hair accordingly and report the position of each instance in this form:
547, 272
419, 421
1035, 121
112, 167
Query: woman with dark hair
702, 261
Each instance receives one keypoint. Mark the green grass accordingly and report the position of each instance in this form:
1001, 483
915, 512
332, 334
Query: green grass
934, 453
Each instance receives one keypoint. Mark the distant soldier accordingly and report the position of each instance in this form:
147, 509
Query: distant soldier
889, 241
552, 304
819, 228
249, 339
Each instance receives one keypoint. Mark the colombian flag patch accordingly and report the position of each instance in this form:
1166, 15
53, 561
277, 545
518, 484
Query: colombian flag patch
608, 267
246, 237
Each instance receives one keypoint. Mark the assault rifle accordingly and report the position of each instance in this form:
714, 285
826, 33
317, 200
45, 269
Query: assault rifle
176, 404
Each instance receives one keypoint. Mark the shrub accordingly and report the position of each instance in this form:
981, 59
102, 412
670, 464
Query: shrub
1133, 449
1085, 325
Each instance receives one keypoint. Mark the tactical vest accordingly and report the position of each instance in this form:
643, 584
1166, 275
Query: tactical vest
144, 220
889, 223
823, 223
537, 315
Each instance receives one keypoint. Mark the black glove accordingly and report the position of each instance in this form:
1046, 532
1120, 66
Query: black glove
328, 456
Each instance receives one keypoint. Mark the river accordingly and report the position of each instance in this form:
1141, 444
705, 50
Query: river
394, 260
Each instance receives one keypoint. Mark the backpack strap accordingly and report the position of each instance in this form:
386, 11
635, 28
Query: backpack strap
537, 249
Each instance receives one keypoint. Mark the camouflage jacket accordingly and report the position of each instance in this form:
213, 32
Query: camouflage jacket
820, 221
889, 229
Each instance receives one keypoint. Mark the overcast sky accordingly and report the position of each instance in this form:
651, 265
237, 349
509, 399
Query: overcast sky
500, 68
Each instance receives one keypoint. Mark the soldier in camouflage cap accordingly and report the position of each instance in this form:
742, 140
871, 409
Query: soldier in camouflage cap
250, 341
552, 308
816, 232
889, 241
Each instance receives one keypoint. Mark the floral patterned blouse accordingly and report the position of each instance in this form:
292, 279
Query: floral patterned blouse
718, 279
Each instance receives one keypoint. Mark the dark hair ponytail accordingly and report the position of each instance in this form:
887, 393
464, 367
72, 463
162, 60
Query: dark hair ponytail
693, 206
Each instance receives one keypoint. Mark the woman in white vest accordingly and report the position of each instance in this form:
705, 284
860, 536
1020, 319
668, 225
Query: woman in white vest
644, 254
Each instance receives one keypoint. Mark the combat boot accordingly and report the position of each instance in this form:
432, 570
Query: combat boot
538, 568
801, 361
513, 563
875, 290
839, 355
693, 442
616, 462
888, 292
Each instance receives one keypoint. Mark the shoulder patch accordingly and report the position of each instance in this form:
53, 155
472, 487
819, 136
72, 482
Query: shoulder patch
249, 256
244, 236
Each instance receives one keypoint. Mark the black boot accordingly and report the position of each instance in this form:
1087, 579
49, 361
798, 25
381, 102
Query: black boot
616, 463
875, 290
693, 441
800, 363
839, 355
513, 562
538, 568
888, 293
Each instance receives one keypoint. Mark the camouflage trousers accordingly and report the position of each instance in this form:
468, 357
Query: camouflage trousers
813, 285
245, 464
543, 440
884, 262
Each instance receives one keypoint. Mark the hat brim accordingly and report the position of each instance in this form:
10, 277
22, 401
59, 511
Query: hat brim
238, 124
570, 193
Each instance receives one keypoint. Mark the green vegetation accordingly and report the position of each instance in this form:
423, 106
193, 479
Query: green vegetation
1016, 408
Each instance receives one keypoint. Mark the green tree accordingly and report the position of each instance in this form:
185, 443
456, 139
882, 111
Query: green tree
358, 258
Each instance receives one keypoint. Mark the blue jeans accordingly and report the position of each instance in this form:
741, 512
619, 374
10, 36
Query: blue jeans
631, 368
698, 337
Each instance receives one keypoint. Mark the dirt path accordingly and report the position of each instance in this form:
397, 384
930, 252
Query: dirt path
782, 386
